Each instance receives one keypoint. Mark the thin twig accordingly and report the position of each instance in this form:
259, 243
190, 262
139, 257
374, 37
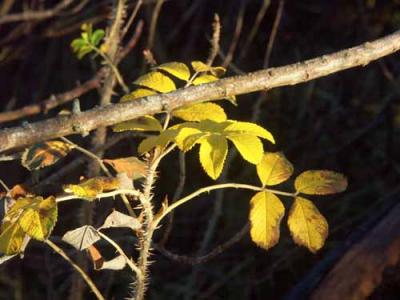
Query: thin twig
77, 268
153, 23
231, 86
274, 31
101, 195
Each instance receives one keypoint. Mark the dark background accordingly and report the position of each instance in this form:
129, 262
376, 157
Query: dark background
348, 122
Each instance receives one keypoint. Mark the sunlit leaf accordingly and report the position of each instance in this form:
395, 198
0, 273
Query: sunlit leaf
156, 81
236, 128
205, 78
81, 238
201, 111
138, 93
39, 218
177, 69
91, 188
200, 67
249, 147
97, 36
266, 214
320, 182
306, 224
117, 219
11, 238
145, 123
132, 166
213, 151
44, 154
274, 168
188, 137
160, 140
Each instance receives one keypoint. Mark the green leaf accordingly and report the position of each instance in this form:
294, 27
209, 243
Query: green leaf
177, 69
248, 128
145, 123
265, 217
39, 219
213, 151
136, 94
97, 36
249, 147
11, 238
200, 112
156, 81
274, 168
44, 154
320, 182
306, 224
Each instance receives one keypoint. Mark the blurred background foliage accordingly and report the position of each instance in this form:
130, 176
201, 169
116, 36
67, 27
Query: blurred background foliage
348, 122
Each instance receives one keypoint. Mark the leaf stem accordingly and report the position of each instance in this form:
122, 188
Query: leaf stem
216, 187
102, 195
129, 261
77, 268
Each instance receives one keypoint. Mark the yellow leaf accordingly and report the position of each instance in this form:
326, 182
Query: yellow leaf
320, 182
248, 128
249, 147
156, 81
213, 152
306, 224
44, 154
200, 67
274, 168
136, 94
201, 111
177, 69
89, 189
205, 78
132, 166
38, 220
161, 140
11, 238
188, 137
265, 217
145, 123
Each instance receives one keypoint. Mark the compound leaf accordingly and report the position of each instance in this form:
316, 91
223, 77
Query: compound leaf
44, 154
306, 224
39, 218
249, 147
236, 128
81, 238
213, 151
274, 168
138, 93
266, 214
201, 111
320, 182
156, 81
145, 123
177, 69
132, 166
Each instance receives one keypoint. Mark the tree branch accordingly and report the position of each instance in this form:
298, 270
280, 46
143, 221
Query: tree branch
252, 82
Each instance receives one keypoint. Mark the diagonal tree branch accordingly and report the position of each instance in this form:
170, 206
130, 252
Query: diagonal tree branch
252, 82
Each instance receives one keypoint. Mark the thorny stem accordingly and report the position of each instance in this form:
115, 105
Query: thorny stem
77, 268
